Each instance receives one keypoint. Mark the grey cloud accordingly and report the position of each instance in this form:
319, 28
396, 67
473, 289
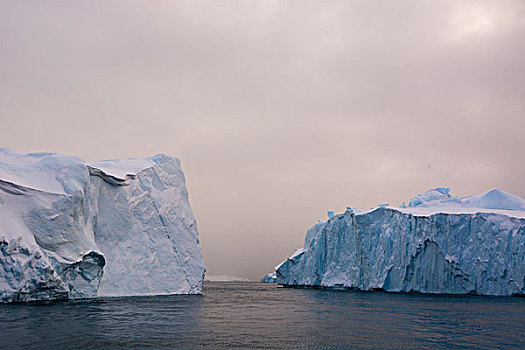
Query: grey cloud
279, 110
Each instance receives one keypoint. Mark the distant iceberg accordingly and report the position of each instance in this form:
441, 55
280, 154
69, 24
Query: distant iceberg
269, 278
74, 230
226, 278
436, 244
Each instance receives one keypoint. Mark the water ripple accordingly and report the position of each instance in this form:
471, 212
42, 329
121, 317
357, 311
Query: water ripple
264, 316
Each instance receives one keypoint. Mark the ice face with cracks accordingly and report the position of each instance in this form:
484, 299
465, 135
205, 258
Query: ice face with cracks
438, 244
74, 230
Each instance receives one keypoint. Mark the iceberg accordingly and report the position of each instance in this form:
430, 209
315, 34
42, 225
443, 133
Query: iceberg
226, 278
269, 278
70, 229
437, 244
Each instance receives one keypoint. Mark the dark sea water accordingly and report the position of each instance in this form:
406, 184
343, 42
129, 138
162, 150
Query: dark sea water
256, 315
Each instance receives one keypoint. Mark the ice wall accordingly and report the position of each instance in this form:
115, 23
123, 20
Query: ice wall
145, 227
450, 246
69, 230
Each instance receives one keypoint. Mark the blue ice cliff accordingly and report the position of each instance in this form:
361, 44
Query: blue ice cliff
113, 228
436, 244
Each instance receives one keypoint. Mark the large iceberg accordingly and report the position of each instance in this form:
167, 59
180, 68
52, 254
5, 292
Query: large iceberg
436, 244
74, 230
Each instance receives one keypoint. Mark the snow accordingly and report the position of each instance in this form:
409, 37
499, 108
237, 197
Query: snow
121, 168
441, 198
496, 199
42, 171
438, 244
72, 230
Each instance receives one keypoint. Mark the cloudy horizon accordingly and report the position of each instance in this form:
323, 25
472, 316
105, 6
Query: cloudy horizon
278, 110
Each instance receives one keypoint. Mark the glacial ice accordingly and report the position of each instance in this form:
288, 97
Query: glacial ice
225, 278
269, 278
438, 244
74, 230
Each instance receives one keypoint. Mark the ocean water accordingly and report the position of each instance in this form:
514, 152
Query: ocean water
265, 316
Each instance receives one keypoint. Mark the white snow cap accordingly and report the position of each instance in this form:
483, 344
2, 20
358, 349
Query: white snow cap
493, 199
120, 168
46, 172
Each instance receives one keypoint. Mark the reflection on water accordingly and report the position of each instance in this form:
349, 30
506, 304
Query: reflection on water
255, 315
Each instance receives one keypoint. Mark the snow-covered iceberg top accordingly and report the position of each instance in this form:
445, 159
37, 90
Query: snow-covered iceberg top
494, 199
436, 244
46, 172
439, 200
73, 230
122, 168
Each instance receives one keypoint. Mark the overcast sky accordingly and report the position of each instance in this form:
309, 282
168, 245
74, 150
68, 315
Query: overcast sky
278, 110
